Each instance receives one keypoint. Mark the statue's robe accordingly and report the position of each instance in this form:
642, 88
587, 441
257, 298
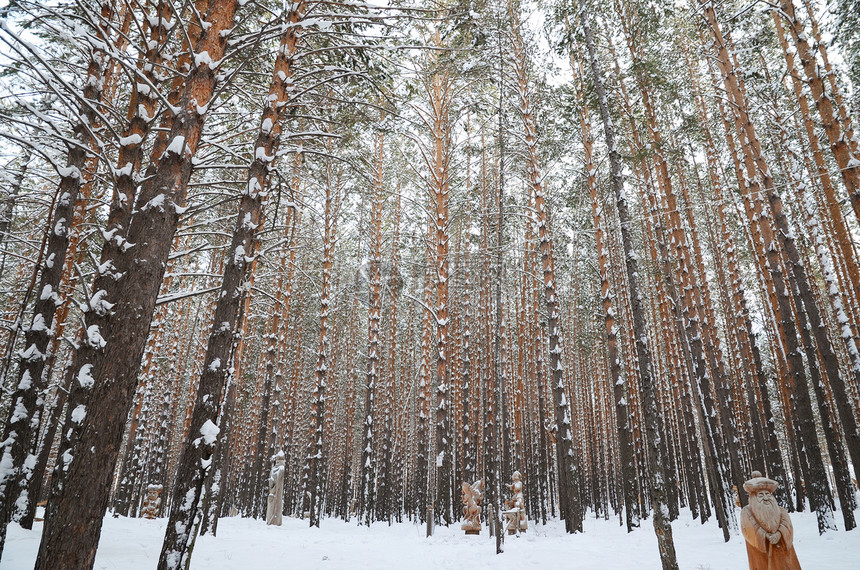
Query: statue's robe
275, 500
762, 554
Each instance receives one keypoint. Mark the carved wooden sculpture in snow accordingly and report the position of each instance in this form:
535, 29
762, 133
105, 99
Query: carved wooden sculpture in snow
152, 503
515, 509
275, 501
767, 528
472, 495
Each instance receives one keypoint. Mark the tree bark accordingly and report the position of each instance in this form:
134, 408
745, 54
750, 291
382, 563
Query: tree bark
662, 526
841, 137
73, 526
367, 487
569, 477
28, 396
760, 180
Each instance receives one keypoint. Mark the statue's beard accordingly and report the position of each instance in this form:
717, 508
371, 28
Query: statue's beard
767, 513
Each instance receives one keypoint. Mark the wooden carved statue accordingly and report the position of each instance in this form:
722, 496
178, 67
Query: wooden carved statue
767, 528
472, 495
152, 502
275, 500
515, 509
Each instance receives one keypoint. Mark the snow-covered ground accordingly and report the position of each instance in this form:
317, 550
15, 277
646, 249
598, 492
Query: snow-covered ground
243, 544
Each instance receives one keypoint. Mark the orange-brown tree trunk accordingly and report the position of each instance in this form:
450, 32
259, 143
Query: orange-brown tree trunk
570, 499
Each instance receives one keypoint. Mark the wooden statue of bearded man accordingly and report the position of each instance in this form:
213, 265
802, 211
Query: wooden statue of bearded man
767, 528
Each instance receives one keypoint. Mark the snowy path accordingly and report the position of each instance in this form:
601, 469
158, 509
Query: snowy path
243, 544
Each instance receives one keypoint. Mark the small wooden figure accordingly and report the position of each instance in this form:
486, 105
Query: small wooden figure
767, 528
152, 502
472, 495
515, 510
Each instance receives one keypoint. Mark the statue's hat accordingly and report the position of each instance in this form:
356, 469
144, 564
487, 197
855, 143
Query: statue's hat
758, 483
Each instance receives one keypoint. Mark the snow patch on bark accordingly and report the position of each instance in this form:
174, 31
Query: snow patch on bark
209, 431
79, 413
94, 337
85, 378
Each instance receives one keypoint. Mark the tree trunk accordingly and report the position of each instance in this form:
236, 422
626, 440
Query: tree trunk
662, 526
841, 137
27, 399
569, 491
367, 487
73, 526
759, 179
615, 377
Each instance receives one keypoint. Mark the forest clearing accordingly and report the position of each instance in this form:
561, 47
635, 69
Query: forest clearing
578, 275
133, 543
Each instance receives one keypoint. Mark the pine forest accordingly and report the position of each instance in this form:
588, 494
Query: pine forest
381, 250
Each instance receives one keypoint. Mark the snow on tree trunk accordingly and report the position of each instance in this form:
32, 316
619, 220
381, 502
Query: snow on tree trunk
16, 459
615, 377
757, 180
314, 467
72, 529
367, 491
570, 500
196, 457
662, 526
